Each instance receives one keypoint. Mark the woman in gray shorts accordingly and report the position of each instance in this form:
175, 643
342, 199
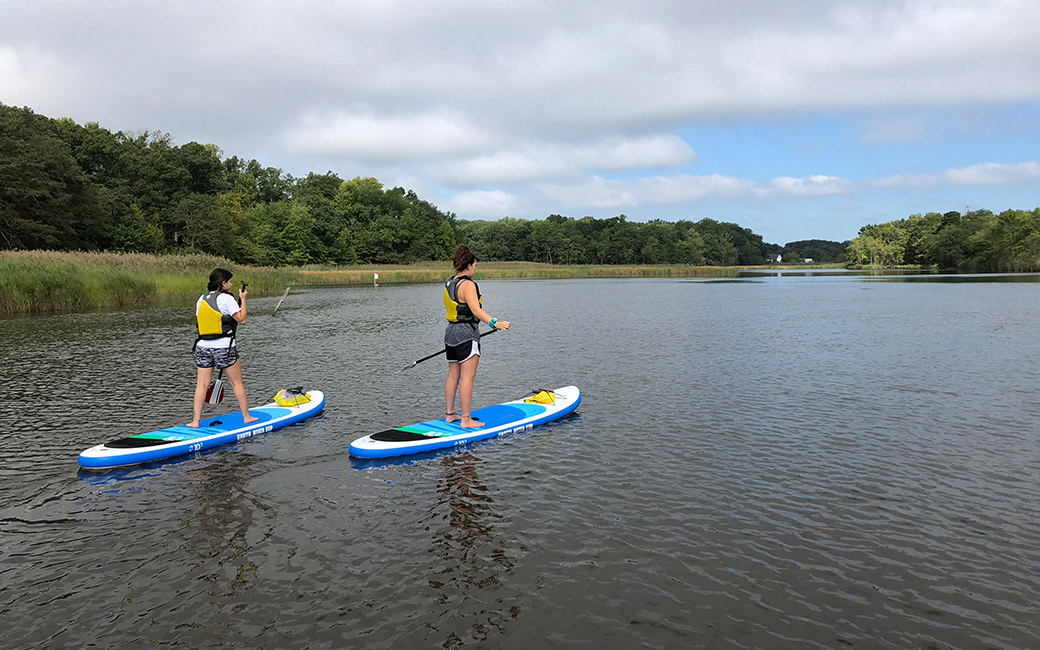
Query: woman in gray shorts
462, 301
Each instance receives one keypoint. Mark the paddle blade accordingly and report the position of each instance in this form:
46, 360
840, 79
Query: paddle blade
215, 392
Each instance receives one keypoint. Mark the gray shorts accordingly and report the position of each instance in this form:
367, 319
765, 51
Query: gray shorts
216, 357
463, 351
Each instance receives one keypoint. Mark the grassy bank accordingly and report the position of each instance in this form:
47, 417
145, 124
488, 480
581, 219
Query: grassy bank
437, 272
48, 281
44, 281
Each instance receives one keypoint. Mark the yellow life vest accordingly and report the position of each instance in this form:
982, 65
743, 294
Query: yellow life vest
459, 312
212, 323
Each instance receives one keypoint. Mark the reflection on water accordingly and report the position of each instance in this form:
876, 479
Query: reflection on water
772, 461
472, 559
218, 534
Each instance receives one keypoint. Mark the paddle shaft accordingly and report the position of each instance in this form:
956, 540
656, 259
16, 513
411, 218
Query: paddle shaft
430, 356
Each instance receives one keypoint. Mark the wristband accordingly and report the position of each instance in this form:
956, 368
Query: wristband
492, 323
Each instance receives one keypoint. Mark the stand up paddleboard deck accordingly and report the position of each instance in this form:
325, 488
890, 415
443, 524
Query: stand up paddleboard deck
179, 440
539, 407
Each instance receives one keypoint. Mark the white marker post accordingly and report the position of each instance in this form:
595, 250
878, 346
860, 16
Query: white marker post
375, 280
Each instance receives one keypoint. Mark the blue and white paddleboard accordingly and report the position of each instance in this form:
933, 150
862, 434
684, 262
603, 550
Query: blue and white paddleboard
175, 441
539, 407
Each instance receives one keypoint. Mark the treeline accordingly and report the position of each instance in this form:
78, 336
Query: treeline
820, 251
66, 187
69, 187
565, 240
978, 240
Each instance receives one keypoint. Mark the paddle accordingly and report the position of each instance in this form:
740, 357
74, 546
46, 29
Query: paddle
430, 356
215, 392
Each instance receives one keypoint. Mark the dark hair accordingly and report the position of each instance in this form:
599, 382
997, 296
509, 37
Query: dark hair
463, 257
217, 278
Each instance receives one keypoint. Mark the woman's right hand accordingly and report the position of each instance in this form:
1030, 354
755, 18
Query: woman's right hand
501, 325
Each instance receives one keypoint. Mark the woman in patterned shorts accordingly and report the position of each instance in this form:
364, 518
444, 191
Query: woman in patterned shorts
218, 316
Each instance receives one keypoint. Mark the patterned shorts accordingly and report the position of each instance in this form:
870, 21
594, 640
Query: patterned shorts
222, 357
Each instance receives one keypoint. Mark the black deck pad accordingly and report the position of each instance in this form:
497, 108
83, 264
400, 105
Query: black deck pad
131, 443
396, 435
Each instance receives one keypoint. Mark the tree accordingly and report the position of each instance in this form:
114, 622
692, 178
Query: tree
45, 199
202, 224
298, 242
1008, 242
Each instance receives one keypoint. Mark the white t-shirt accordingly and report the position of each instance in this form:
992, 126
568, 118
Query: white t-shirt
227, 305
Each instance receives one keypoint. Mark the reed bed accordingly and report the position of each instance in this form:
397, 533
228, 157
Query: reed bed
49, 281
433, 272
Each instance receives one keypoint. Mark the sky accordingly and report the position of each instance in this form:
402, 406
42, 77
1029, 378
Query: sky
801, 119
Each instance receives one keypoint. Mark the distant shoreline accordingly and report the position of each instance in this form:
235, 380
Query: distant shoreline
36, 282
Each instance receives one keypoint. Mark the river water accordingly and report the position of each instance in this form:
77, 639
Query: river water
817, 460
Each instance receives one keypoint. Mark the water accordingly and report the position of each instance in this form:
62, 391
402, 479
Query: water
824, 460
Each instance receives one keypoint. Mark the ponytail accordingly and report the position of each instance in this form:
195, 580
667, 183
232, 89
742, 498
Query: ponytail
463, 258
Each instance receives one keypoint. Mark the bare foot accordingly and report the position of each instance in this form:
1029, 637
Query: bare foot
193, 425
470, 423
249, 419
450, 418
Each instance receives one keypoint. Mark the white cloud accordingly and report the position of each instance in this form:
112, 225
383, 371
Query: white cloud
994, 174
361, 133
817, 185
607, 193
980, 174
543, 160
483, 204
598, 192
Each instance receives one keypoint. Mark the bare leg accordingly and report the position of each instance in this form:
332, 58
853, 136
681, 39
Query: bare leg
468, 372
451, 386
205, 374
234, 375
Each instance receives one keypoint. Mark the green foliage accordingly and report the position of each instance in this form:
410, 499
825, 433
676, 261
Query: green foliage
564, 240
978, 240
818, 250
46, 201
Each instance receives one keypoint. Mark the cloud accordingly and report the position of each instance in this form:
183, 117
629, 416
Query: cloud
27, 76
483, 204
994, 174
980, 174
362, 133
538, 68
606, 193
816, 185
686, 188
543, 160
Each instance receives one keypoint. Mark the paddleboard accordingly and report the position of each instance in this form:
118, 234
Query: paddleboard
538, 407
219, 430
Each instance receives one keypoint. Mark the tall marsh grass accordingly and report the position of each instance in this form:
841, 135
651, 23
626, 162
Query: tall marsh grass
434, 272
44, 281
